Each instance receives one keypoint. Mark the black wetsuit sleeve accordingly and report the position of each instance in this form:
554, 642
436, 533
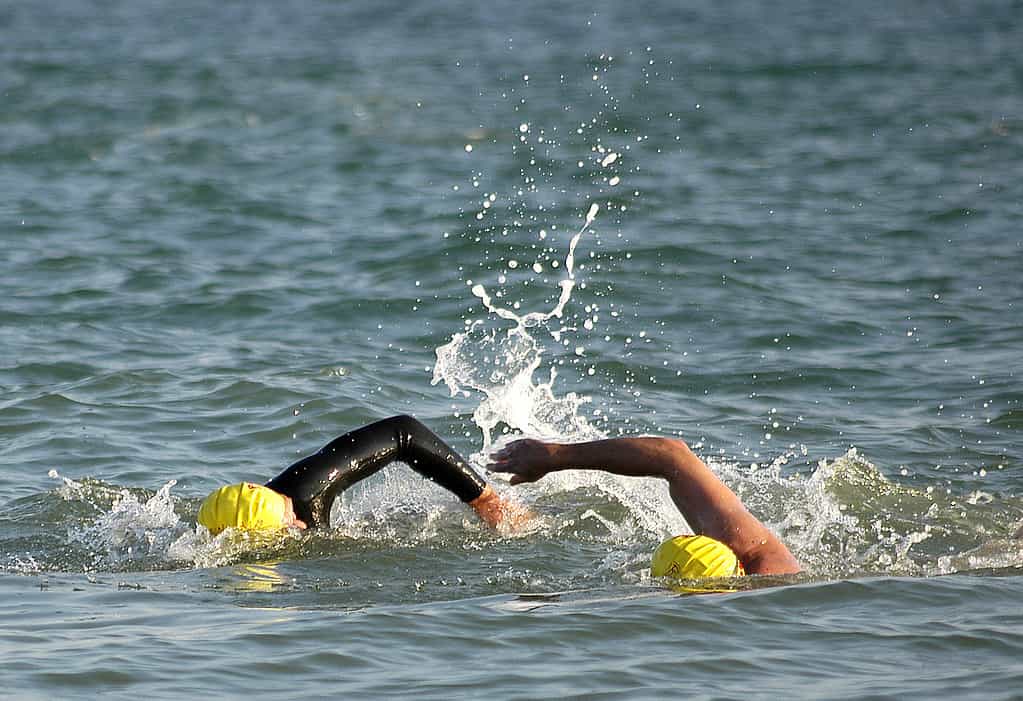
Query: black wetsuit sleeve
315, 481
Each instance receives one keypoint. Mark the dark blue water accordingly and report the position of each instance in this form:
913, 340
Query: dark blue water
229, 233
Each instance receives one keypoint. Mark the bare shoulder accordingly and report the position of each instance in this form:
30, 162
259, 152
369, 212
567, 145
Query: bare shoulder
772, 558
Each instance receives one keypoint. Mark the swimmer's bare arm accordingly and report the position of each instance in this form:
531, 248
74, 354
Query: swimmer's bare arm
709, 506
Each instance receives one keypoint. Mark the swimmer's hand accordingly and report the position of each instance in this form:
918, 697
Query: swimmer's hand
527, 460
488, 506
497, 512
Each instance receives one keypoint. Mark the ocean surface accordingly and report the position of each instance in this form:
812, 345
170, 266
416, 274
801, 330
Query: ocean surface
790, 233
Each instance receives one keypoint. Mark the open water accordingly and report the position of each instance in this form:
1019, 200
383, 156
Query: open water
231, 231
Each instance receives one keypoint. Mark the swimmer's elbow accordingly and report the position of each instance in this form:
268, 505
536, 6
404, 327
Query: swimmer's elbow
673, 452
677, 444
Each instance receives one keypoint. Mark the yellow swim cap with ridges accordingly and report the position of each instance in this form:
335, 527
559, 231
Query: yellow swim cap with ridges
694, 556
247, 506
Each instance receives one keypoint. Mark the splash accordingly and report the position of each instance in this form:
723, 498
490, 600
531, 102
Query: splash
126, 529
400, 508
135, 531
847, 519
501, 364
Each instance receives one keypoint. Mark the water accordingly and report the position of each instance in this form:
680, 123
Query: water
231, 233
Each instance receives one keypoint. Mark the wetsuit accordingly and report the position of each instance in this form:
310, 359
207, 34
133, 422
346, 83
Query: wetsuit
315, 481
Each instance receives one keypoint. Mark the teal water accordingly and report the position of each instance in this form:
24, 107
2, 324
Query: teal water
232, 232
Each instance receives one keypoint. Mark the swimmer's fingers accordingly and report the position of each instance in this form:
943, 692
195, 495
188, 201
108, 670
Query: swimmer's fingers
519, 473
506, 453
509, 460
526, 460
507, 467
502, 460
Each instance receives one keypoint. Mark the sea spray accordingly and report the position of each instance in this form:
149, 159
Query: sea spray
500, 364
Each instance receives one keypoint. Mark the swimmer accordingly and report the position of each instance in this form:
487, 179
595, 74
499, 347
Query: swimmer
301, 496
729, 540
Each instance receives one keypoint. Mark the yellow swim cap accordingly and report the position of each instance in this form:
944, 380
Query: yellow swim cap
246, 506
694, 556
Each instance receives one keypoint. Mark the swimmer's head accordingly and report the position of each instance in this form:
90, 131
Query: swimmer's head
248, 507
694, 556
